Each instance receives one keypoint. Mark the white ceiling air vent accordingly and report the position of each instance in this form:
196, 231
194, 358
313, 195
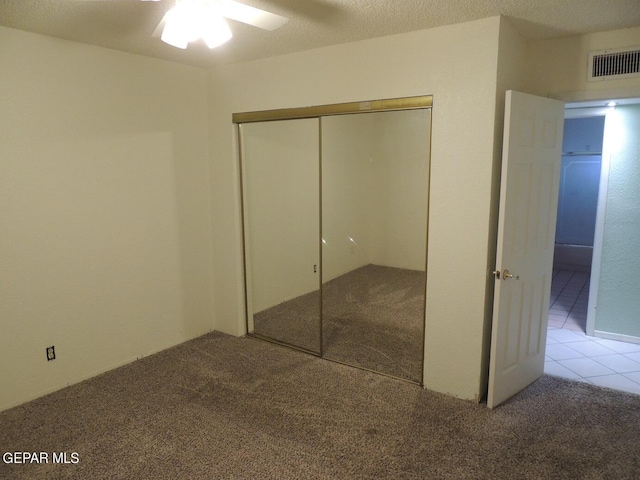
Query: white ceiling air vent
614, 64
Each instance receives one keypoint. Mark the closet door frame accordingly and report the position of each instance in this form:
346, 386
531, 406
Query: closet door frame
319, 111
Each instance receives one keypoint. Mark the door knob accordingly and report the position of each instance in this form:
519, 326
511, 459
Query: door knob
506, 275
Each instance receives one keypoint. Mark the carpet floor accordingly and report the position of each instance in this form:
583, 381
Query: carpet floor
220, 407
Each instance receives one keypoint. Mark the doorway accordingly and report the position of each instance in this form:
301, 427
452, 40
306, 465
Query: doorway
580, 175
574, 348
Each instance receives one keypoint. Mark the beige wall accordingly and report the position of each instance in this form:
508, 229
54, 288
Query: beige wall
105, 243
510, 76
348, 147
281, 202
374, 190
558, 67
436, 62
400, 190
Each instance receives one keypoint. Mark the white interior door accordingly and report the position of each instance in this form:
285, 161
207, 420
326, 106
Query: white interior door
526, 230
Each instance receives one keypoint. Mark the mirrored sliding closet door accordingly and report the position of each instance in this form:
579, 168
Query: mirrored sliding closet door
374, 225
280, 163
335, 204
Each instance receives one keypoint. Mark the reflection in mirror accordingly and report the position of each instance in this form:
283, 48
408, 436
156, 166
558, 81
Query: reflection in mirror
374, 226
280, 165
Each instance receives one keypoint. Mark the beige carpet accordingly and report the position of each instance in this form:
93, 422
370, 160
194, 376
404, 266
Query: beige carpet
220, 407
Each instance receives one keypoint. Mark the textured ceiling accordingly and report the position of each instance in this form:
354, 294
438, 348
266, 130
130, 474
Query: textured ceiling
127, 25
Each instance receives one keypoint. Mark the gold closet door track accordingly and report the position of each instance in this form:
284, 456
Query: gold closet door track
406, 103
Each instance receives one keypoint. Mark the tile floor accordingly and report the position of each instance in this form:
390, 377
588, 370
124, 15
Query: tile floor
572, 354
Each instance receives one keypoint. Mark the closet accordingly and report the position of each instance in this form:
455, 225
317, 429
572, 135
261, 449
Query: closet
334, 208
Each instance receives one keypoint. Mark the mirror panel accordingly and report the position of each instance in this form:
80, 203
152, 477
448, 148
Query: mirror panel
375, 177
280, 169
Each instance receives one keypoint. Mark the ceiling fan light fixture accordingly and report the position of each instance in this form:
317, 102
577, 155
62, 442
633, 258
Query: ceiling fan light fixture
215, 30
178, 26
193, 19
174, 37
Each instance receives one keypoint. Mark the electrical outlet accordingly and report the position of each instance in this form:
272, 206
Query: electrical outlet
51, 353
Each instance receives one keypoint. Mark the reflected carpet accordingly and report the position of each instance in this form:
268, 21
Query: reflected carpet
372, 317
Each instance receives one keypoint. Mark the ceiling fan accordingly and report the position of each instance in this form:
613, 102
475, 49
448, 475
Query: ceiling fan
190, 20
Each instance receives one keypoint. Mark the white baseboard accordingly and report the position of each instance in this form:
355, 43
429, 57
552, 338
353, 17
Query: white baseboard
616, 336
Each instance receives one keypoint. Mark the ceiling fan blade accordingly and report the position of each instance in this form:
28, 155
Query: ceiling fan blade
251, 15
158, 31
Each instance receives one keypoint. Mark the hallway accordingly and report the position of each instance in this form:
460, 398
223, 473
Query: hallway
572, 354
